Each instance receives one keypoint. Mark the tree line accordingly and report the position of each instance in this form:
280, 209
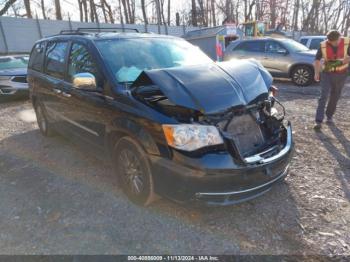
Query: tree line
312, 16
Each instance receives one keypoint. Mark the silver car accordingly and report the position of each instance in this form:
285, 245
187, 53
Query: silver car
13, 75
282, 57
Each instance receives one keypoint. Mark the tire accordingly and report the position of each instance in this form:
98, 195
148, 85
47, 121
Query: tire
43, 121
133, 171
302, 75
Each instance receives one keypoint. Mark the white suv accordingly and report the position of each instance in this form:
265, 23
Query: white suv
312, 42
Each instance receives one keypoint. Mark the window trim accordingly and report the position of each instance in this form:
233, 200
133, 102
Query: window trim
65, 57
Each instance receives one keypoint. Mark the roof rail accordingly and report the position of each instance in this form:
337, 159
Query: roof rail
70, 32
84, 30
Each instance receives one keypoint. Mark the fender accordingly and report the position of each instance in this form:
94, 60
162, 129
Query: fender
126, 126
292, 66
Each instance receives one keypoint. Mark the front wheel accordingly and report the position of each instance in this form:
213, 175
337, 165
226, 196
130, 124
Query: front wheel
302, 75
133, 171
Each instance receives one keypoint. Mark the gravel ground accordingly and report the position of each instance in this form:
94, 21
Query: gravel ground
56, 199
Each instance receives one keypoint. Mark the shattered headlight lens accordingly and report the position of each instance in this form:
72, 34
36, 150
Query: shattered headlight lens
190, 137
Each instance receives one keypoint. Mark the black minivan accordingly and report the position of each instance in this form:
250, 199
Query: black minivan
173, 122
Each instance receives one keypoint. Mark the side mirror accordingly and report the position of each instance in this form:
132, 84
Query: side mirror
85, 81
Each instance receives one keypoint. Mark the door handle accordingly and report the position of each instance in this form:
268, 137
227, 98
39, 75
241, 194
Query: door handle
66, 94
57, 91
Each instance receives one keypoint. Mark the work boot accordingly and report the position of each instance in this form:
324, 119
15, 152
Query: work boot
330, 121
317, 126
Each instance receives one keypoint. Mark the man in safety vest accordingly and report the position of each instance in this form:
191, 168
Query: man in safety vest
335, 53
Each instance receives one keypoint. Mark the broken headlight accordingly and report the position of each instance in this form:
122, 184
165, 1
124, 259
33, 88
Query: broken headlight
190, 137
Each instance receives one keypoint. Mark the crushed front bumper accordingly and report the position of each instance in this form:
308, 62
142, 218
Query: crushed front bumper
216, 178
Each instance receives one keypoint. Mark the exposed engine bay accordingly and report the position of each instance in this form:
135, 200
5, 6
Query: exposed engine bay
253, 129
247, 115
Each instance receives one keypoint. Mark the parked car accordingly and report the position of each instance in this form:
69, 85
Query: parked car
13, 75
172, 122
312, 42
282, 57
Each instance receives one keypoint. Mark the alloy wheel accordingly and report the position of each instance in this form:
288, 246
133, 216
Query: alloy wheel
131, 171
301, 76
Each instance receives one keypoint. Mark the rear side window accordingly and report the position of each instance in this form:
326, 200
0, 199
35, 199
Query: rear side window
315, 43
37, 57
80, 61
304, 41
55, 59
251, 46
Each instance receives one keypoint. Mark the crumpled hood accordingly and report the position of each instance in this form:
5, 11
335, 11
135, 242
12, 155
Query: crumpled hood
211, 88
13, 72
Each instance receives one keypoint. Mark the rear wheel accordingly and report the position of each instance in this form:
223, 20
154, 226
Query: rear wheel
42, 119
133, 171
302, 75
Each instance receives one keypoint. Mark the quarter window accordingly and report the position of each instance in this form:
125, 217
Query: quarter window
80, 61
55, 59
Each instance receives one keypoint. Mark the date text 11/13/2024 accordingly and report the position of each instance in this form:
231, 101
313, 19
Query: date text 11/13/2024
173, 258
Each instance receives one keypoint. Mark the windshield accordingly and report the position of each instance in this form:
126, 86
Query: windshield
11, 62
127, 58
294, 46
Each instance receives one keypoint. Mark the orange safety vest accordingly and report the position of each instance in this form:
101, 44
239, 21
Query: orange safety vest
328, 54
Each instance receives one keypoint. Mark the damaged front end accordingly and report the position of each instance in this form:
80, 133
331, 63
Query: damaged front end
219, 108
256, 134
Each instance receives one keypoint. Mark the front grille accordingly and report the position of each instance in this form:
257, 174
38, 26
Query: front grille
246, 134
19, 79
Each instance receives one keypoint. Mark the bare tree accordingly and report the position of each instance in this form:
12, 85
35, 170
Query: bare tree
126, 13
27, 7
177, 19
93, 12
169, 15
250, 10
194, 13
109, 11
159, 15
6, 7
43, 11
202, 11
104, 11
85, 7
212, 2
80, 4
296, 14
144, 11
58, 10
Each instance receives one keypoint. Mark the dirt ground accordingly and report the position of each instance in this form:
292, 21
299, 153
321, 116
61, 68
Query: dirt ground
56, 199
